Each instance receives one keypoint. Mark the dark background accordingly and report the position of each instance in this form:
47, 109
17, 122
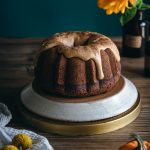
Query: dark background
41, 18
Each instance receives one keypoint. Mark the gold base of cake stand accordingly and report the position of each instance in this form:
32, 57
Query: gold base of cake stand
81, 128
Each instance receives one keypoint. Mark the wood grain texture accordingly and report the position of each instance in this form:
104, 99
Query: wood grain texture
16, 57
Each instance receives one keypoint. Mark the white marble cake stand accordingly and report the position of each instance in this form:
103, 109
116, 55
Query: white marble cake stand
93, 108
81, 116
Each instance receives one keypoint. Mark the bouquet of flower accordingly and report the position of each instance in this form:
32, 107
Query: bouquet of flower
127, 8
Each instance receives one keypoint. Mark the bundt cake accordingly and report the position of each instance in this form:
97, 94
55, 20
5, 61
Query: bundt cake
77, 64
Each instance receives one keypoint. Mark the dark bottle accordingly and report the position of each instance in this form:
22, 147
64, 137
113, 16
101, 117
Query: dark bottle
135, 34
147, 59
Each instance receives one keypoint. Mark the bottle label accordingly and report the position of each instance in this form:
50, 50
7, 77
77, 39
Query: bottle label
133, 41
147, 62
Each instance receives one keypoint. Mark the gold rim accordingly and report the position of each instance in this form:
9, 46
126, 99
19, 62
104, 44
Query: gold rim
81, 128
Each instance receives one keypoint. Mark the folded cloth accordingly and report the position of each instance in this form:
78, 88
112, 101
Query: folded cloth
5, 115
7, 133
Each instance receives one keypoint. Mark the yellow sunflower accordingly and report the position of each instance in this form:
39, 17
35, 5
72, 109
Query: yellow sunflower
115, 6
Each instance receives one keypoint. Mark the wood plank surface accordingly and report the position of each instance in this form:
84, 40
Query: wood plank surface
16, 57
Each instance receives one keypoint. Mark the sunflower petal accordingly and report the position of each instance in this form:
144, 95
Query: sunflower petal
115, 6
133, 2
109, 11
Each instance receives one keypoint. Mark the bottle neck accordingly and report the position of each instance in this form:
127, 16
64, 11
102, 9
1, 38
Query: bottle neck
139, 15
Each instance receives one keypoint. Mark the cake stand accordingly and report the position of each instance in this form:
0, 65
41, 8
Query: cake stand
81, 116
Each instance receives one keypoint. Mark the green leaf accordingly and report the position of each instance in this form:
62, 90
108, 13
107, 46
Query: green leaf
139, 3
128, 15
144, 6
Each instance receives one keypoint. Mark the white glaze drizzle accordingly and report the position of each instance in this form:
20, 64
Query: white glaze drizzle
91, 51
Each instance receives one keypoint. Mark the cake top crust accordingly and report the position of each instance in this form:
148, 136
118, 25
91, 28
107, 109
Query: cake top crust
83, 45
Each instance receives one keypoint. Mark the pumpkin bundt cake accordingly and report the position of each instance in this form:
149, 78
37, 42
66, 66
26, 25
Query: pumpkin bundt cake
77, 64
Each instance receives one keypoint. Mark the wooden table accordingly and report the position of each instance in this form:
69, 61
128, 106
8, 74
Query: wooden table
16, 55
